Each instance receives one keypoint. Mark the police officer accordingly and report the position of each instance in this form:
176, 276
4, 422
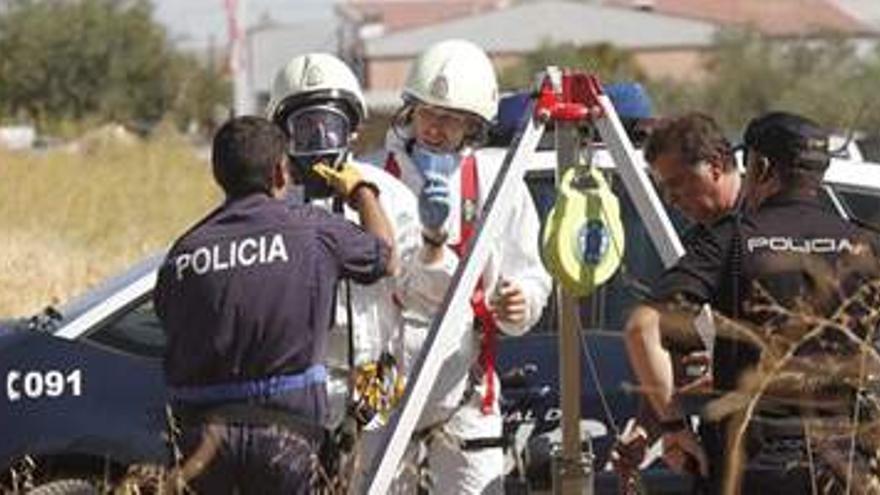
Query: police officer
693, 165
246, 298
782, 223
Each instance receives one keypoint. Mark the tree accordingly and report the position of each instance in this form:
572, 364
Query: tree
747, 74
89, 59
608, 62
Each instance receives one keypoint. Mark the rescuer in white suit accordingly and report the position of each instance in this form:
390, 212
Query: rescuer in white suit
318, 102
450, 97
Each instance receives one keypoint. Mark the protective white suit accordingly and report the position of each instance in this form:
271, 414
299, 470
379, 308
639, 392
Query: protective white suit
376, 318
514, 257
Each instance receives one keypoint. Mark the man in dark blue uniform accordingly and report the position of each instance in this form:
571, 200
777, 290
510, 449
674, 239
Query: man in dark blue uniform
246, 298
772, 251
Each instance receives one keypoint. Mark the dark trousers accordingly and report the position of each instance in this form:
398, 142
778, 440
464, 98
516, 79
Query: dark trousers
245, 459
775, 464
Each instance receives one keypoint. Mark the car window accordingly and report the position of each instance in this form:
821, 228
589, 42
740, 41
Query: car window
135, 331
608, 306
861, 206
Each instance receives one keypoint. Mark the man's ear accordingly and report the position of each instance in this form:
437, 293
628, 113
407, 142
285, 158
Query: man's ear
280, 174
762, 165
716, 168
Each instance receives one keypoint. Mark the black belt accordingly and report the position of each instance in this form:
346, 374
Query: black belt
251, 415
484, 443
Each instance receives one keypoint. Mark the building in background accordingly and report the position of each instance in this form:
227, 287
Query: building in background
776, 18
271, 45
662, 45
667, 38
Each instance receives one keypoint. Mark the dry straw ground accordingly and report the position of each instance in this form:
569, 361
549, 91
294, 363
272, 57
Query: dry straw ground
71, 217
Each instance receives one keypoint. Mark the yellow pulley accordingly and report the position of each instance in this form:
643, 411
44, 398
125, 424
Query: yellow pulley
583, 238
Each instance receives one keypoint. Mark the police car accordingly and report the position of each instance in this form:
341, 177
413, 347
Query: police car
84, 398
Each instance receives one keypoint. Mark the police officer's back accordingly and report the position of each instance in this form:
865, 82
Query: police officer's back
246, 298
765, 267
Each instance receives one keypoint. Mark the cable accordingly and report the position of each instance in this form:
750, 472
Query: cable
594, 372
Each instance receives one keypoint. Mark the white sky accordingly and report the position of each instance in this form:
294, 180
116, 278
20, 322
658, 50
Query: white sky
192, 23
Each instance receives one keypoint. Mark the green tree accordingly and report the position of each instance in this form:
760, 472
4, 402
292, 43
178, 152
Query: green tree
747, 74
201, 88
606, 61
105, 60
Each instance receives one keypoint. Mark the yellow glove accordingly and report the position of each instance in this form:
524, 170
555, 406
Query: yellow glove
344, 180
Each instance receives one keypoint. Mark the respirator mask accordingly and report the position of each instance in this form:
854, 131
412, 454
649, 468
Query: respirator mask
434, 164
316, 134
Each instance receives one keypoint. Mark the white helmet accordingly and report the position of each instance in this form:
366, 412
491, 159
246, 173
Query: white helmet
314, 77
454, 74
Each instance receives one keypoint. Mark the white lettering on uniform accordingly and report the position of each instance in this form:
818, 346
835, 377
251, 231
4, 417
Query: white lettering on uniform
262, 241
804, 246
245, 252
218, 261
182, 262
247, 260
277, 249
204, 255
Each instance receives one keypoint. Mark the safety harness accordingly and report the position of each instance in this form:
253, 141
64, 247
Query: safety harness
469, 186
484, 318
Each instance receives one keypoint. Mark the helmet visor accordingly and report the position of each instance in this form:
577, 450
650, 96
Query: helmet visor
317, 130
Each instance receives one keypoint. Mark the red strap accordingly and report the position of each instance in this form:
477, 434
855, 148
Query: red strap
391, 165
469, 198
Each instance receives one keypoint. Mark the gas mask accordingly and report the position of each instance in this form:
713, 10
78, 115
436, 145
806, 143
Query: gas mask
317, 134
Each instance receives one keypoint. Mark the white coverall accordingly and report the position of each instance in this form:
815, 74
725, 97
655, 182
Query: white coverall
514, 257
377, 320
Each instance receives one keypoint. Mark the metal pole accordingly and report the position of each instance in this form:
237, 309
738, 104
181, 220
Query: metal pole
240, 60
570, 465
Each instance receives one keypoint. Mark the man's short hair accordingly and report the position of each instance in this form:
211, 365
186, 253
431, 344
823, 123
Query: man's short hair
244, 151
693, 137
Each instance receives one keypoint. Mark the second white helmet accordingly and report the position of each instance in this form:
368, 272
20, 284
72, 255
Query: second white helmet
454, 74
312, 77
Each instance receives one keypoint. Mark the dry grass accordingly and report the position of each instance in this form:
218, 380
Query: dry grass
71, 218
834, 385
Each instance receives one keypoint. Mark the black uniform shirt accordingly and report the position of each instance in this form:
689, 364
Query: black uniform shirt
724, 263
248, 292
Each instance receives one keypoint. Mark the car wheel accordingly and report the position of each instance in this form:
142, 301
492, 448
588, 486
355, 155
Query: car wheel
72, 486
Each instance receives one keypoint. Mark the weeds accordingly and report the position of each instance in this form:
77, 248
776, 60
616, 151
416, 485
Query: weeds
72, 217
818, 356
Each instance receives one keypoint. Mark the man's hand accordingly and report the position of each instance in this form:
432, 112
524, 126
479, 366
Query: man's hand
683, 453
698, 371
509, 303
345, 180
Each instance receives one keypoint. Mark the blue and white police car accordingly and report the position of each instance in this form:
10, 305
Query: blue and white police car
84, 399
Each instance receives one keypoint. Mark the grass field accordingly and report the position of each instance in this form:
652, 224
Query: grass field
69, 218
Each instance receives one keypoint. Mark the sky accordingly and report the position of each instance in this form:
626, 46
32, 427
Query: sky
193, 23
